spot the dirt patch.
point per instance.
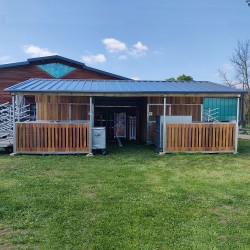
(225, 209)
(90, 194)
(6, 233)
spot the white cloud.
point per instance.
(36, 51)
(114, 45)
(136, 78)
(138, 49)
(123, 57)
(6, 59)
(92, 59)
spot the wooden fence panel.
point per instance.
(52, 138)
(214, 137)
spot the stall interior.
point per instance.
(123, 117)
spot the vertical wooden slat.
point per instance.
(35, 137)
(226, 136)
(200, 137)
(73, 137)
(214, 139)
(183, 143)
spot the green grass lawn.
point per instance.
(130, 199)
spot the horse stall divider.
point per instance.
(200, 137)
(52, 138)
(176, 109)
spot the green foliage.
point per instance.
(171, 79)
(184, 78)
(130, 199)
(181, 78)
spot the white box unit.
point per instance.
(99, 138)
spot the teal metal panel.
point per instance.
(226, 108)
(57, 70)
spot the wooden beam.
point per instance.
(125, 94)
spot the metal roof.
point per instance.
(43, 60)
(121, 87)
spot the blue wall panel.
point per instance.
(57, 70)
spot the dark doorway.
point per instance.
(107, 107)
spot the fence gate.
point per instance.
(132, 128)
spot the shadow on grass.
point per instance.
(130, 148)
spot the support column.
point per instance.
(164, 126)
(37, 111)
(147, 139)
(201, 106)
(237, 125)
(90, 123)
(14, 123)
(70, 112)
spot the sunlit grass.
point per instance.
(130, 199)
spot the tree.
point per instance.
(184, 78)
(241, 63)
(171, 79)
(181, 78)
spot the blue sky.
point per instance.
(144, 39)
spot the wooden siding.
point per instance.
(198, 137)
(51, 138)
(87, 74)
(62, 107)
(179, 109)
(13, 75)
(152, 132)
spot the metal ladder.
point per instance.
(22, 114)
(6, 122)
(210, 115)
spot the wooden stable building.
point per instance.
(68, 110)
(50, 67)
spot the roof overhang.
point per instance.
(83, 87)
(28, 93)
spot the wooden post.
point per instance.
(14, 124)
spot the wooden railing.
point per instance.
(52, 138)
(214, 137)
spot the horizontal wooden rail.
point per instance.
(214, 137)
(52, 138)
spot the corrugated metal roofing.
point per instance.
(122, 87)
